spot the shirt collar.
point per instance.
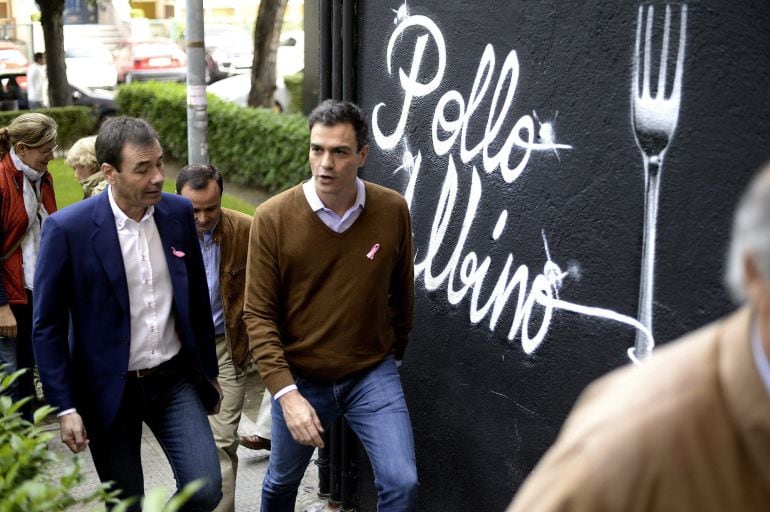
(316, 204)
(120, 217)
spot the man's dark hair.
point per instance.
(198, 177)
(39, 56)
(116, 132)
(333, 112)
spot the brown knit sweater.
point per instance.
(315, 305)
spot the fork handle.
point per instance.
(652, 167)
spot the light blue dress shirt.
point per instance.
(211, 258)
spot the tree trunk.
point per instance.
(267, 33)
(51, 12)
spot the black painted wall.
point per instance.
(486, 404)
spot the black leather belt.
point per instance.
(163, 367)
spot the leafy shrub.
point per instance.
(73, 122)
(26, 484)
(250, 146)
(27, 479)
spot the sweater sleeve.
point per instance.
(261, 306)
(401, 296)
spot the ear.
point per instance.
(753, 281)
(363, 154)
(109, 172)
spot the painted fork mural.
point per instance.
(465, 274)
(654, 120)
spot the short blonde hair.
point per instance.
(32, 129)
(83, 153)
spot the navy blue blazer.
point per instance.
(81, 322)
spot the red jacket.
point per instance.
(13, 225)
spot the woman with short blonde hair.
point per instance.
(82, 158)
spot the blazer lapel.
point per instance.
(174, 248)
(107, 246)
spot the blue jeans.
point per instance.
(169, 404)
(373, 404)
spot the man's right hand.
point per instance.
(7, 322)
(73, 432)
(301, 419)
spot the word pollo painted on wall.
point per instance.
(465, 272)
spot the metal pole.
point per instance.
(348, 51)
(335, 470)
(325, 52)
(324, 473)
(197, 117)
(336, 50)
(349, 469)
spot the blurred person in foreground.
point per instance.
(122, 323)
(329, 300)
(689, 429)
(223, 235)
(26, 200)
(82, 158)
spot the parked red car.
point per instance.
(12, 57)
(158, 59)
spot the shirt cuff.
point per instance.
(66, 412)
(284, 390)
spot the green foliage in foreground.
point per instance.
(29, 481)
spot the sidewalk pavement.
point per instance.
(157, 473)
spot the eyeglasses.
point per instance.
(47, 151)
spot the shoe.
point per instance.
(255, 442)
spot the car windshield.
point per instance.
(86, 52)
(13, 56)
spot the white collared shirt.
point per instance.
(329, 217)
(150, 291)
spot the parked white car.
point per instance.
(235, 89)
(91, 64)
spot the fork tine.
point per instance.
(639, 18)
(664, 56)
(676, 91)
(647, 44)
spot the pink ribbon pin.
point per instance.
(178, 254)
(373, 251)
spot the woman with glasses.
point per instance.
(26, 199)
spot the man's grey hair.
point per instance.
(750, 236)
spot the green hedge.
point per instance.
(73, 122)
(250, 146)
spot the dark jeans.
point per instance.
(17, 353)
(168, 402)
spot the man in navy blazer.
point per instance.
(122, 327)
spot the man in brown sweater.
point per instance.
(329, 300)
(690, 428)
